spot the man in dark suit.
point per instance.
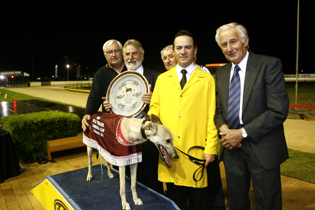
(252, 104)
(133, 53)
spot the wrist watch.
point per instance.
(244, 133)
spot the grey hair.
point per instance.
(110, 42)
(135, 43)
(166, 48)
(241, 30)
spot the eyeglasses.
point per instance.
(112, 51)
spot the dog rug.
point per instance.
(102, 192)
(104, 134)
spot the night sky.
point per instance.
(48, 31)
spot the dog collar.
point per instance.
(142, 129)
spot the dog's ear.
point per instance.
(155, 119)
(152, 127)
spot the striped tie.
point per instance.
(234, 101)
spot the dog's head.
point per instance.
(162, 137)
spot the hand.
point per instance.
(84, 121)
(209, 158)
(231, 138)
(106, 104)
(223, 130)
(146, 97)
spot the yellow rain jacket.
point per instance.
(189, 114)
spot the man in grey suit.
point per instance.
(252, 104)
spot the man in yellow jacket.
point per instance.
(184, 100)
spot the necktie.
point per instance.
(234, 101)
(184, 80)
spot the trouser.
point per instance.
(188, 197)
(216, 199)
(242, 166)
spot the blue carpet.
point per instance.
(104, 194)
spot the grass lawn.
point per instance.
(300, 165)
(6, 95)
(306, 92)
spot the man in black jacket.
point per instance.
(115, 65)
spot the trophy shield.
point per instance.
(125, 91)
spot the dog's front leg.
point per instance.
(122, 181)
(89, 153)
(133, 175)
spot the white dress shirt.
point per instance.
(190, 69)
(139, 70)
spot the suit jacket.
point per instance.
(151, 75)
(265, 107)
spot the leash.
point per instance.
(196, 161)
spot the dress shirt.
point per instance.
(190, 69)
(241, 73)
(205, 69)
(139, 70)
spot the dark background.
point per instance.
(37, 36)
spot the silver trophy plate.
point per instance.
(125, 91)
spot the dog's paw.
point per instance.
(126, 206)
(89, 177)
(110, 175)
(138, 202)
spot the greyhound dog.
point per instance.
(135, 131)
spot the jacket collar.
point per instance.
(195, 77)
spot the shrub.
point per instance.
(30, 132)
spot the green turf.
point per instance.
(300, 165)
(7, 95)
(306, 91)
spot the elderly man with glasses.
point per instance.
(115, 65)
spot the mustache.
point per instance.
(132, 60)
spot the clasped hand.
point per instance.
(231, 138)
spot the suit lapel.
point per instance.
(146, 74)
(225, 88)
(250, 77)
